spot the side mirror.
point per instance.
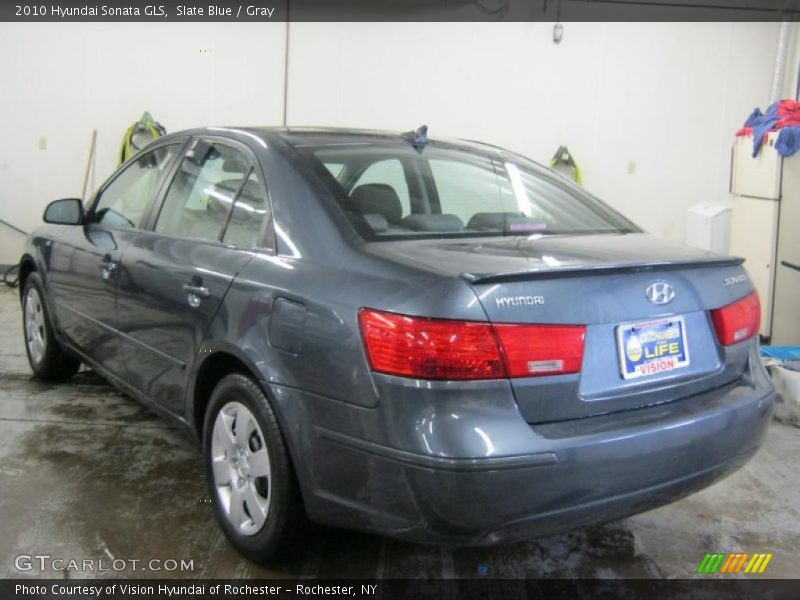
(64, 212)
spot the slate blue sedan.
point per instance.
(440, 341)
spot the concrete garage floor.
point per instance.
(85, 472)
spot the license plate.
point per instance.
(652, 347)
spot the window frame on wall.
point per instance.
(155, 192)
(266, 239)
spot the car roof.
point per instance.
(299, 137)
(322, 136)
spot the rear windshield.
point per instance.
(395, 191)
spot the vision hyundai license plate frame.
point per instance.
(653, 347)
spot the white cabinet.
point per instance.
(765, 231)
(786, 296)
(754, 228)
(758, 177)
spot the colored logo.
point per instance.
(633, 349)
(660, 292)
(652, 347)
(734, 562)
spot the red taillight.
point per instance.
(738, 321)
(532, 350)
(430, 348)
(444, 349)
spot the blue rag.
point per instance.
(753, 116)
(762, 124)
(788, 141)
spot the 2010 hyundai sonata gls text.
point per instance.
(438, 341)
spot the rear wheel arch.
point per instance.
(236, 479)
(26, 266)
(209, 373)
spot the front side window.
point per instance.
(124, 201)
(456, 192)
(215, 190)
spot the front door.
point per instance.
(85, 259)
(209, 226)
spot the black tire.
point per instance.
(53, 362)
(285, 516)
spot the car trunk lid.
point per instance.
(600, 281)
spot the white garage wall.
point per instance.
(665, 96)
(792, 73)
(60, 81)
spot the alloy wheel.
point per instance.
(241, 468)
(35, 334)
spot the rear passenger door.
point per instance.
(207, 225)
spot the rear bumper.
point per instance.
(578, 473)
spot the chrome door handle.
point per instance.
(196, 293)
(197, 290)
(107, 269)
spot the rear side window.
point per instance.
(250, 211)
(123, 202)
(215, 195)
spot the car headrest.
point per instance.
(503, 221)
(252, 193)
(251, 197)
(433, 223)
(250, 204)
(235, 165)
(377, 222)
(378, 199)
(220, 197)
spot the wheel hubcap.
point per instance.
(35, 336)
(240, 468)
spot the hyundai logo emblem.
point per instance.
(660, 292)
